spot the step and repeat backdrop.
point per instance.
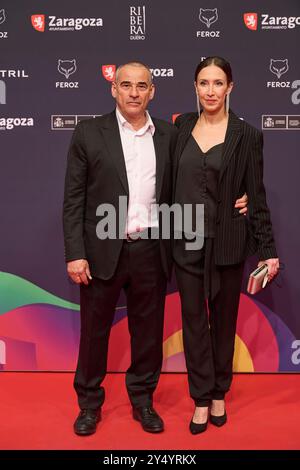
(57, 62)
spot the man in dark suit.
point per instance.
(122, 154)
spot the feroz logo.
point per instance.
(279, 67)
(66, 67)
(250, 20)
(208, 16)
(3, 34)
(137, 23)
(2, 92)
(2, 16)
(38, 22)
(109, 72)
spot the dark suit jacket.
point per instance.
(241, 171)
(96, 174)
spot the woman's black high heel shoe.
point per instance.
(196, 428)
(218, 420)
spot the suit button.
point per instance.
(218, 221)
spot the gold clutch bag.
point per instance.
(258, 279)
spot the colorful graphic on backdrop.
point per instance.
(39, 331)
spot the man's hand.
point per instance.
(242, 204)
(273, 267)
(79, 271)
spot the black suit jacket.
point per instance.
(96, 174)
(241, 171)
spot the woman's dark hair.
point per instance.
(219, 62)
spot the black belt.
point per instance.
(145, 234)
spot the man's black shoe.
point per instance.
(149, 419)
(86, 422)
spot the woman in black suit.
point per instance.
(218, 158)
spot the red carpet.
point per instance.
(38, 409)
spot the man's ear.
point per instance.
(114, 89)
(152, 92)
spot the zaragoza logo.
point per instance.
(109, 72)
(38, 22)
(250, 20)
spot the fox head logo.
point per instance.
(208, 16)
(2, 16)
(109, 72)
(279, 67)
(66, 67)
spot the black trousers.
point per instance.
(140, 274)
(209, 339)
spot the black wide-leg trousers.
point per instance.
(140, 274)
(209, 339)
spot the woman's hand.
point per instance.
(273, 267)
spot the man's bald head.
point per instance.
(134, 64)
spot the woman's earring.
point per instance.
(198, 104)
(227, 103)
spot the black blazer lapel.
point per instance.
(232, 137)
(112, 138)
(185, 130)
